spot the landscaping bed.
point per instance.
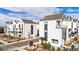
(1, 43)
(10, 39)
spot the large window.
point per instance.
(55, 41)
(20, 26)
(45, 31)
(20, 32)
(31, 29)
(45, 36)
(64, 34)
(45, 26)
(58, 24)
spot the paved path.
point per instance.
(18, 44)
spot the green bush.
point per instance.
(65, 49)
(49, 46)
(52, 48)
(58, 49)
(45, 45)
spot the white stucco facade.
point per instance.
(27, 30)
(53, 33)
(20, 28)
(56, 36)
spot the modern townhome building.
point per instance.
(57, 28)
(22, 28)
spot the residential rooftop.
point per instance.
(53, 17)
(28, 21)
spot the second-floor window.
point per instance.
(31, 29)
(57, 24)
(45, 26)
(20, 26)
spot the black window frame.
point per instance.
(45, 36)
(55, 41)
(32, 29)
(58, 24)
(45, 26)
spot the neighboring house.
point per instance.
(57, 28)
(22, 28)
(30, 28)
(9, 30)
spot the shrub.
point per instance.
(52, 48)
(65, 49)
(45, 45)
(58, 49)
(49, 46)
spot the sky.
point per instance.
(35, 13)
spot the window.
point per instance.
(70, 30)
(72, 25)
(45, 27)
(31, 29)
(58, 24)
(19, 26)
(12, 32)
(22, 28)
(64, 34)
(70, 35)
(75, 28)
(45, 36)
(38, 32)
(20, 32)
(55, 41)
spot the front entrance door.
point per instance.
(31, 43)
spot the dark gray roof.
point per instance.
(53, 17)
(28, 21)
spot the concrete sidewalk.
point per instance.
(18, 44)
